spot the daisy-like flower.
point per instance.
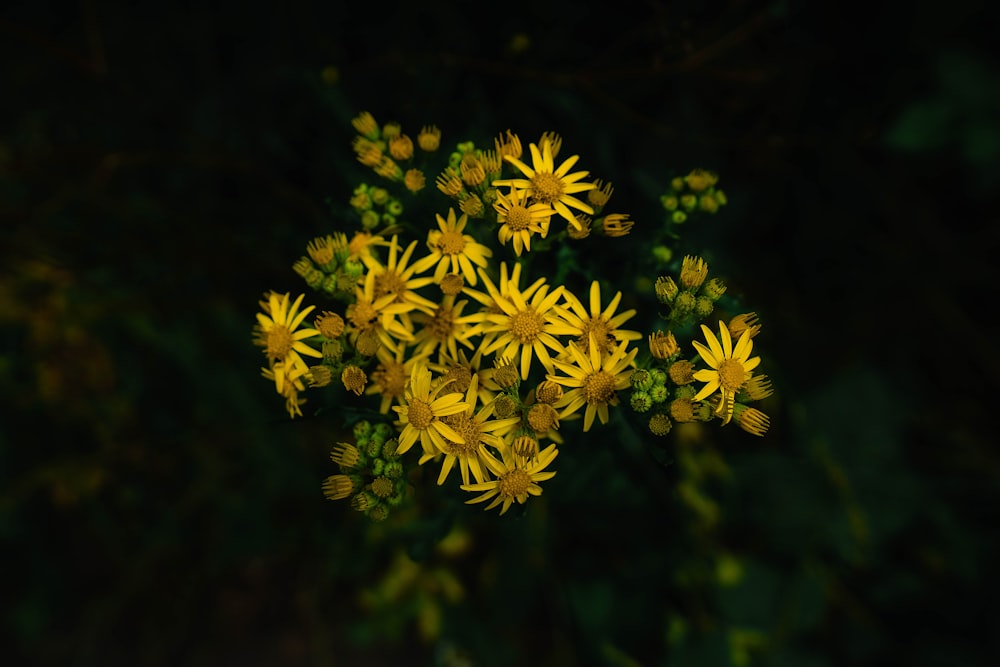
(277, 331)
(517, 478)
(452, 251)
(443, 330)
(420, 415)
(594, 380)
(549, 185)
(395, 278)
(291, 386)
(730, 367)
(519, 220)
(461, 369)
(602, 324)
(390, 376)
(527, 324)
(374, 315)
(477, 431)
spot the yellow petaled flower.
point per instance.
(420, 415)
(472, 205)
(516, 478)
(519, 220)
(547, 184)
(373, 315)
(753, 421)
(321, 249)
(509, 145)
(600, 195)
(461, 369)
(414, 180)
(292, 383)
(758, 387)
(594, 380)
(694, 270)
(354, 379)
(401, 147)
(526, 324)
(449, 182)
(366, 125)
(602, 324)
(663, 345)
(616, 225)
(362, 245)
(329, 324)
(488, 304)
(277, 331)
(429, 138)
(444, 329)
(472, 171)
(396, 279)
(730, 367)
(477, 431)
(369, 154)
(452, 250)
(742, 322)
(390, 376)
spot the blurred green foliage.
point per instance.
(160, 168)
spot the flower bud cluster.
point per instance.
(372, 474)
(693, 193)
(692, 296)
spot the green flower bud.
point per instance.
(641, 401)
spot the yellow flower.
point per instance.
(291, 386)
(372, 315)
(452, 250)
(526, 324)
(477, 431)
(730, 367)
(390, 376)
(488, 304)
(429, 138)
(602, 324)
(277, 331)
(517, 478)
(420, 415)
(396, 279)
(444, 329)
(594, 379)
(519, 220)
(550, 185)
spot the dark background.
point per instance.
(161, 167)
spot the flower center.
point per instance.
(459, 379)
(514, 483)
(518, 218)
(602, 334)
(390, 282)
(525, 325)
(451, 242)
(420, 415)
(599, 387)
(547, 187)
(279, 342)
(468, 428)
(442, 325)
(731, 374)
(392, 379)
(362, 315)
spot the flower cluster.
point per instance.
(430, 315)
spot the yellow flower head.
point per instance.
(516, 478)
(420, 415)
(277, 331)
(429, 138)
(594, 380)
(452, 250)
(526, 324)
(730, 367)
(477, 431)
(519, 220)
(547, 184)
(602, 324)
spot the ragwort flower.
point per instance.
(594, 380)
(517, 478)
(452, 251)
(277, 331)
(421, 414)
(547, 184)
(730, 367)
